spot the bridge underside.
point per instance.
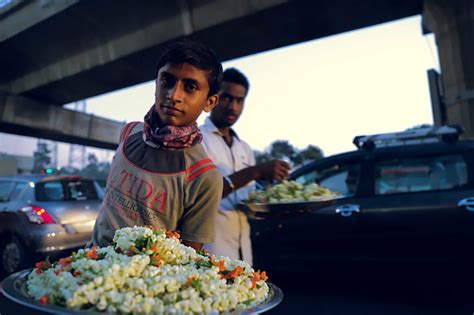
(26, 117)
(53, 54)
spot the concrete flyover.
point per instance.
(56, 52)
(25, 116)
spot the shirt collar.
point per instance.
(209, 126)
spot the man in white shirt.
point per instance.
(236, 162)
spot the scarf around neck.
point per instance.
(169, 137)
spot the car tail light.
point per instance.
(37, 215)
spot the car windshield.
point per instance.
(66, 190)
(343, 178)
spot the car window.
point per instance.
(77, 189)
(401, 175)
(342, 178)
(82, 190)
(50, 191)
(19, 188)
(6, 190)
(307, 178)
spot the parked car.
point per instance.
(43, 215)
(404, 197)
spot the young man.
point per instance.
(161, 176)
(236, 162)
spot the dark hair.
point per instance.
(235, 76)
(197, 55)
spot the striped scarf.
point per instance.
(169, 137)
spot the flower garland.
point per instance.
(147, 271)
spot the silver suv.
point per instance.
(43, 216)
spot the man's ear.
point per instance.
(211, 103)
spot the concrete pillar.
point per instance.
(452, 22)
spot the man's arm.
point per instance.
(201, 205)
(271, 170)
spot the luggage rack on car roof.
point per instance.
(410, 136)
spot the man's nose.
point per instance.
(176, 93)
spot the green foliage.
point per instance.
(311, 153)
(261, 157)
(283, 150)
(95, 169)
(42, 157)
(196, 284)
(203, 263)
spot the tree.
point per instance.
(281, 149)
(261, 157)
(41, 157)
(95, 169)
(311, 153)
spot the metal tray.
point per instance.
(14, 288)
(268, 209)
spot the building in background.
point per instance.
(15, 164)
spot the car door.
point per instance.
(302, 238)
(421, 209)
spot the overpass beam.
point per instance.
(24, 116)
(453, 25)
(31, 13)
(107, 48)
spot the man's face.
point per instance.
(182, 94)
(230, 105)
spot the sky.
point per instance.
(321, 92)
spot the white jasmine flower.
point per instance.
(146, 272)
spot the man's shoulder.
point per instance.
(198, 161)
(212, 142)
(208, 132)
(211, 139)
(129, 129)
(203, 171)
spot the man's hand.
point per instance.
(273, 170)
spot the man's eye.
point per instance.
(226, 98)
(191, 87)
(163, 82)
(166, 82)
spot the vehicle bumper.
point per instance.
(53, 239)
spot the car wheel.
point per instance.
(14, 257)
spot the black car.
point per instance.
(44, 215)
(404, 197)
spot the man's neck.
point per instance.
(226, 134)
